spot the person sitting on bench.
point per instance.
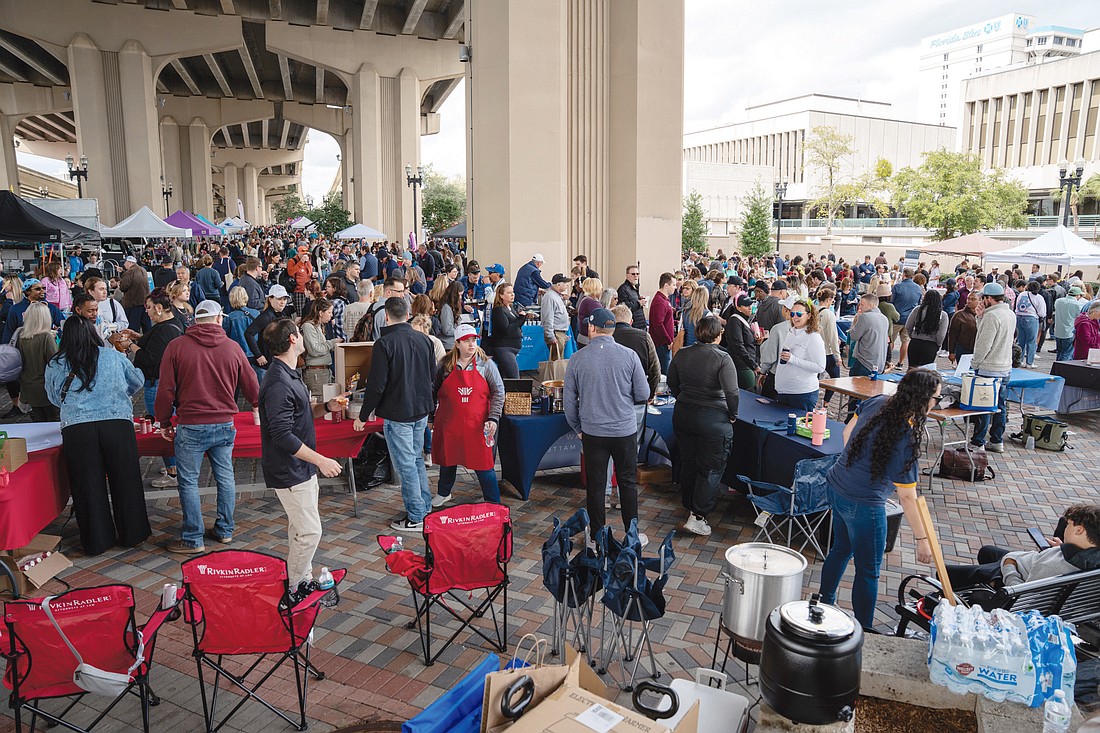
(1078, 549)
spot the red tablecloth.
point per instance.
(334, 440)
(33, 498)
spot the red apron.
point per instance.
(458, 438)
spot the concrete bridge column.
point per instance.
(365, 134)
(200, 185)
(170, 145)
(232, 192)
(261, 205)
(9, 169)
(249, 190)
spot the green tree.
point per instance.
(756, 223)
(290, 207)
(331, 216)
(693, 231)
(443, 200)
(950, 194)
(1087, 191)
(827, 151)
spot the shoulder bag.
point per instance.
(93, 679)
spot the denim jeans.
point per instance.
(859, 532)
(150, 395)
(490, 489)
(406, 444)
(1065, 349)
(1027, 333)
(215, 441)
(805, 402)
(994, 422)
(664, 356)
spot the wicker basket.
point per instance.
(517, 403)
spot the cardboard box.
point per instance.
(37, 576)
(580, 705)
(13, 452)
(351, 358)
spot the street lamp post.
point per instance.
(414, 182)
(78, 172)
(166, 192)
(780, 192)
(1067, 179)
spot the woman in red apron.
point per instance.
(470, 396)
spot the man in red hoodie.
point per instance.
(199, 377)
(661, 320)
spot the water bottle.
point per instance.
(324, 580)
(1056, 714)
(398, 544)
(490, 439)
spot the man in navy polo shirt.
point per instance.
(290, 460)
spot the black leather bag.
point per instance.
(372, 465)
(957, 464)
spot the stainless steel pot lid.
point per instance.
(817, 620)
(761, 558)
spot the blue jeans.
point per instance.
(215, 441)
(1027, 333)
(805, 402)
(1065, 349)
(994, 422)
(490, 490)
(664, 356)
(406, 444)
(150, 395)
(859, 531)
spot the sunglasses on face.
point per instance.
(798, 314)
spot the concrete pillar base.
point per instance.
(772, 722)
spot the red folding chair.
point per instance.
(237, 604)
(99, 623)
(468, 549)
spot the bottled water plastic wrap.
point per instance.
(1001, 655)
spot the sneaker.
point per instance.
(697, 525)
(405, 525)
(223, 540)
(181, 547)
(643, 539)
(25, 408)
(995, 447)
(164, 481)
(14, 412)
(440, 500)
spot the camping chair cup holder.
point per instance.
(95, 625)
(238, 603)
(467, 549)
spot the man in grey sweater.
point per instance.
(993, 358)
(1078, 549)
(869, 338)
(555, 316)
(603, 383)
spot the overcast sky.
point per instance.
(739, 53)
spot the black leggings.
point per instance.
(505, 357)
(922, 351)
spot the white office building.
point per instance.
(949, 59)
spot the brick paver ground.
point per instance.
(373, 664)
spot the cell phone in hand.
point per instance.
(1038, 538)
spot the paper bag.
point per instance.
(13, 452)
(544, 679)
(553, 369)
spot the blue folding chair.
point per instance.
(572, 582)
(802, 508)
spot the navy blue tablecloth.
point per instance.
(758, 452)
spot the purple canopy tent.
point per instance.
(187, 220)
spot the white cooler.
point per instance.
(720, 711)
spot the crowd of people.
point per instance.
(253, 323)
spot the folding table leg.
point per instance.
(351, 485)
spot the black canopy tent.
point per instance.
(21, 221)
(458, 231)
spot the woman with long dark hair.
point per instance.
(927, 327)
(449, 309)
(318, 357)
(882, 446)
(93, 384)
(336, 292)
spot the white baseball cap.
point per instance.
(789, 302)
(277, 291)
(538, 258)
(465, 331)
(208, 309)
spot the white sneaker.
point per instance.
(406, 525)
(165, 481)
(643, 539)
(995, 447)
(440, 500)
(697, 525)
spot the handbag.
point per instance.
(554, 367)
(678, 341)
(979, 393)
(521, 686)
(93, 679)
(959, 464)
(1049, 432)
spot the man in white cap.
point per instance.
(134, 285)
(993, 358)
(200, 374)
(529, 281)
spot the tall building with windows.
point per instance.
(1030, 118)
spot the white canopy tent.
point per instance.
(234, 224)
(360, 231)
(1059, 246)
(144, 223)
(301, 222)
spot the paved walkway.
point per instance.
(374, 671)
